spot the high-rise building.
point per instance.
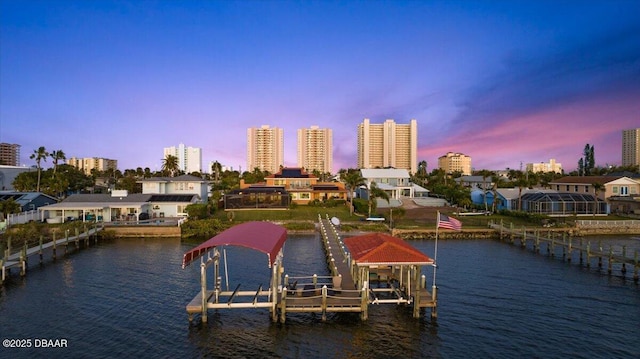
(388, 145)
(631, 147)
(189, 158)
(455, 162)
(315, 149)
(265, 148)
(90, 163)
(551, 166)
(9, 154)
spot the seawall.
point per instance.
(144, 231)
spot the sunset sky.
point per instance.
(505, 82)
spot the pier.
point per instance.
(19, 259)
(356, 281)
(536, 239)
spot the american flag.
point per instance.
(445, 221)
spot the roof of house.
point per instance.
(291, 172)
(384, 173)
(24, 198)
(381, 248)
(474, 179)
(265, 237)
(182, 178)
(99, 200)
(584, 180)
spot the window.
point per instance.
(624, 190)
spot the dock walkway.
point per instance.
(568, 245)
(20, 258)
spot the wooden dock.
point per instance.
(338, 292)
(537, 238)
(20, 258)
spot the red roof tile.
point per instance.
(383, 248)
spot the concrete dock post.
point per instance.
(23, 260)
(434, 298)
(600, 252)
(66, 242)
(203, 284)
(635, 267)
(54, 245)
(40, 251)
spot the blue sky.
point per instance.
(505, 82)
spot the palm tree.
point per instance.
(352, 179)
(39, 155)
(170, 165)
(497, 181)
(521, 183)
(376, 192)
(9, 206)
(57, 157)
(216, 169)
(485, 174)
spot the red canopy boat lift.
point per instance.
(374, 268)
(266, 237)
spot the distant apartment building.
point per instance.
(189, 158)
(631, 147)
(551, 166)
(265, 148)
(388, 145)
(9, 154)
(455, 162)
(315, 149)
(88, 164)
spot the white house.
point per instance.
(396, 182)
(185, 184)
(161, 197)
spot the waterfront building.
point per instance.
(551, 166)
(395, 181)
(279, 190)
(631, 147)
(189, 158)
(265, 148)
(88, 164)
(181, 185)
(455, 162)
(9, 154)
(388, 145)
(315, 149)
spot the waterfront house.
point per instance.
(623, 195)
(396, 182)
(181, 185)
(475, 182)
(118, 206)
(582, 184)
(289, 185)
(28, 201)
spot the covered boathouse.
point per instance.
(374, 268)
(392, 270)
(265, 237)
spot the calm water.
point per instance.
(127, 298)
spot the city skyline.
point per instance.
(506, 83)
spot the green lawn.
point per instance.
(300, 213)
